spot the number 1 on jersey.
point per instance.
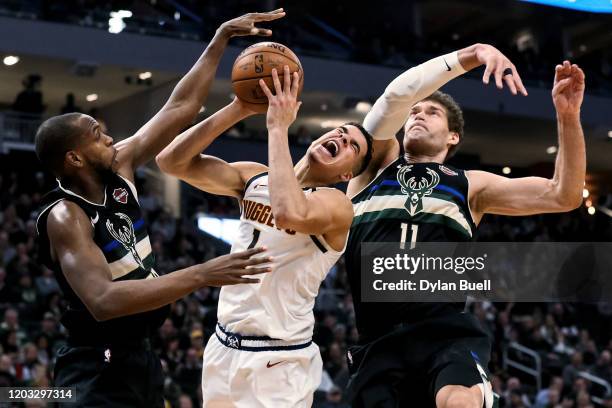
(414, 228)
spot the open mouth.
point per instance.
(332, 147)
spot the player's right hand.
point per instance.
(232, 269)
(283, 105)
(245, 25)
(497, 64)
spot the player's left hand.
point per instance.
(502, 69)
(283, 106)
(245, 25)
(568, 88)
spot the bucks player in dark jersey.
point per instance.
(94, 237)
(433, 354)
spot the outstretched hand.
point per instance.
(283, 105)
(245, 25)
(502, 69)
(568, 88)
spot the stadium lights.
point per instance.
(116, 23)
(177, 16)
(591, 210)
(506, 170)
(145, 75)
(91, 97)
(10, 60)
(332, 123)
(585, 193)
(610, 134)
(551, 149)
(363, 107)
(588, 203)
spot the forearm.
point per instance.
(286, 195)
(570, 164)
(392, 109)
(188, 145)
(193, 88)
(129, 297)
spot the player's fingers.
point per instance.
(270, 15)
(509, 80)
(487, 73)
(244, 280)
(276, 81)
(561, 85)
(286, 79)
(256, 271)
(295, 84)
(257, 261)
(265, 89)
(579, 74)
(519, 83)
(253, 251)
(499, 69)
(263, 32)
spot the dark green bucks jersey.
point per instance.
(120, 231)
(406, 202)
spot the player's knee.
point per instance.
(461, 399)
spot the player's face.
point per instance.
(426, 131)
(337, 155)
(96, 149)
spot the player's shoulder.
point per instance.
(66, 217)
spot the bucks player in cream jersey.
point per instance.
(434, 354)
(262, 354)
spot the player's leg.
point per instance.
(216, 374)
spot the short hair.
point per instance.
(454, 116)
(369, 142)
(54, 137)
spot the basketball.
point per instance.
(256, 62)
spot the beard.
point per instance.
(105, 172)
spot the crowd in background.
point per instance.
(570, 338)
(531, 39)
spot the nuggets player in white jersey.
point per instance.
(262, 354)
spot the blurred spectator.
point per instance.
(70, 105)
(30, 99)
(571, 371)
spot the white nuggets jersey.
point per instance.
(280, 305)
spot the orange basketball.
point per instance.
(256, 62)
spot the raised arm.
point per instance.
(391, 110)
(319, 213)
(188, 96)
(88, 274)
(490, 193)
(183, 159)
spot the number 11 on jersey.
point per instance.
(413, 236)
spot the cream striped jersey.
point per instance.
(120, 231)
(281, 305)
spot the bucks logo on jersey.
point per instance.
(416, 189)
(124, 233)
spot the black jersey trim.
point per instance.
(318, 244)
(252, 179)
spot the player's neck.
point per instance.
(425, 158)
(303, 176)
(90, 186)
